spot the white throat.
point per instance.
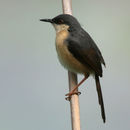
(60, 27)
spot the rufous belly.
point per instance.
(65, 57)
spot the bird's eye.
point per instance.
(60, 21)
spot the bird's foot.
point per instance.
(70, 94)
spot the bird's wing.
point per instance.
(87, 53)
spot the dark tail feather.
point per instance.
(100, 97)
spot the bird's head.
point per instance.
(63, 21)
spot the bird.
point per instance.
(78, 52)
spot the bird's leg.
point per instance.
(75, 88)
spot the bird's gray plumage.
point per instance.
(83, 48)
(80, 44)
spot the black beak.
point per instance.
(46, 20)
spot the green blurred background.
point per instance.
(32, 81)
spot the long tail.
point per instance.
(100, 97)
